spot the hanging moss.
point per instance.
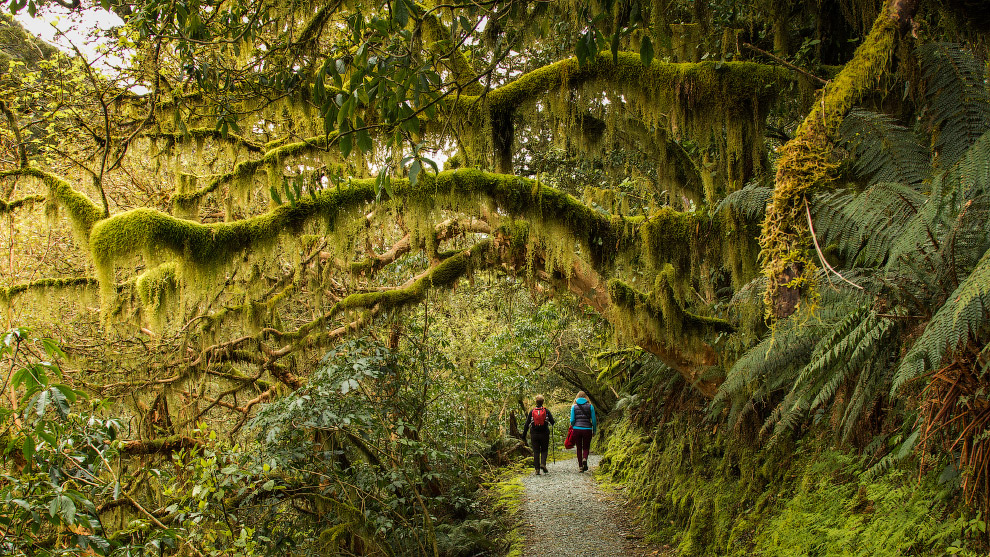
(444, 275)
(158, 289)
(199, 134)
(660, 312)
(83, 213)
(26, 201)
(8, 294)
(209, 248)
(683, 239)
(275, 154)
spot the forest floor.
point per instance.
(566, 513)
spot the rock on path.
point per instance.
(566, 514)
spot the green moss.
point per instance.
(275, 154)
(659, 312)
(83, 213)
(211, 247)
(158, 290)
(8, 294)
(26, 201)
(807, 163)
(199, 134)
(443, 275)
(709, 495)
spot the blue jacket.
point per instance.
(582, 419)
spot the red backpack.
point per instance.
(539, 415)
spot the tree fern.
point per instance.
(956, 97)
(882, 150)
(965, 315)
(750, 202)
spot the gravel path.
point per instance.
(566, 514)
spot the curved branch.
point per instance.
(245, 169)
(82, 211)
(208, 133)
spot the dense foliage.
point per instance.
(312, 259)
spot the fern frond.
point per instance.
(965, 315)
(882, 150)
(956, 96)
(749, 202)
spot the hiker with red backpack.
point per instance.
(540, 419)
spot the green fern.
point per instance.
(750, 202)
(956, 97)
(882, 150)
(962, 318)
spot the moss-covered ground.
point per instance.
(706, 494)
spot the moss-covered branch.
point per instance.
(443, 275)
(212, 246)
(273, 158)
(722, 84)
(807, 163)
(7, 294)
(28, 200)
(16, 130)
(208, 133)
(661, 307)
(459, 66)
(164, 445)
(83, 213)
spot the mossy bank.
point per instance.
(706, 495)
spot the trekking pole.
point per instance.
(553, 441)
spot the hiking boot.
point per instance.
(545, 471)
(537, 472)
(585, 467)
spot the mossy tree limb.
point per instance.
(807, 163)
(208, 133)
(8, 294)
(443, 275)
(16, 130)
(710, 83)
(27, 201)
(273, 157)
(211, 246)
(83, 213)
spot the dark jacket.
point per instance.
(583, 415)
(541, 429)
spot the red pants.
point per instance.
(582, 441)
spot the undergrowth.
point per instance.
(709, 496)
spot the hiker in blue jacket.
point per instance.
(540, 419)
(585, 425)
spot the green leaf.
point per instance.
(52, 348)
(28, 447)
(61, 402)
(646, 51)
(42, 403)
(414, 169)
(346, 144)
(275, 196)
(400, 14)
(68, 509)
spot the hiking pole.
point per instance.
(553, 442)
